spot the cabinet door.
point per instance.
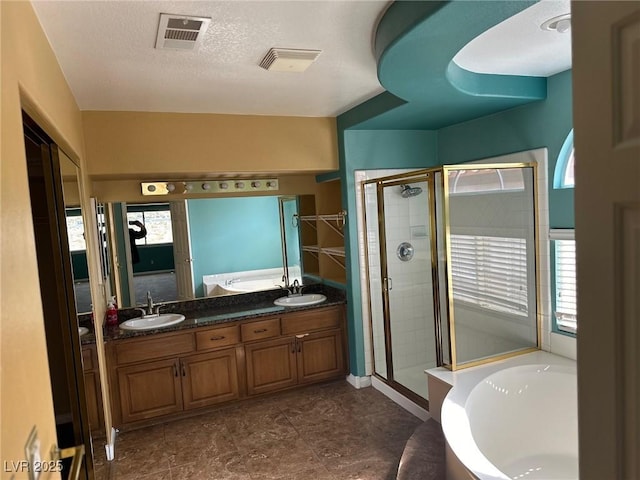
(271, 365)
(149, 390)
(209, 378)
(94, 400)
(320, 356)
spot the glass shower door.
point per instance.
(407, 282)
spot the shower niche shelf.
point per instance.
(322, 223)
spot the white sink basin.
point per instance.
(300, 300)
(150, 322)
(83, 330)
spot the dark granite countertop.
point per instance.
(214, 311)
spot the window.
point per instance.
(565, 280)
(485, 180)
(564, 176)
(75, 230)
(157, 220)
(490, 272)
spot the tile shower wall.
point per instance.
(413, 337)
(411, 295)
(371, 287)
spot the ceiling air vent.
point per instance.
(181, 32)
(288, 60)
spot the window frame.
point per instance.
(143, 209)
(566, 159)
(560, 234)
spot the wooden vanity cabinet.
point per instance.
(93, 392)
(169, 373)
(320, 356)
(271, 365)
(312, 349)
(209, 378)
(181, 382)
(149, 389)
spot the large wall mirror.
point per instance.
(76, 235)
(202, 247)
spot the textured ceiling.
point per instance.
(106, 51)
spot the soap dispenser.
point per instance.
(112, 312)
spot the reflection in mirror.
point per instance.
(290, 239)
(201, 247)
(75, 232)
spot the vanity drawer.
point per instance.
(312, 320)
(157, 347)
(259, 330)
(218, 337)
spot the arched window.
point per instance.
(563, 176)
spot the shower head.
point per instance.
(409, 191)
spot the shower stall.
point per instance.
(451, 269)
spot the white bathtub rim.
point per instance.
(455, 423)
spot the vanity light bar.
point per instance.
(210, 186)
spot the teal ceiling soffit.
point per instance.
(415, 44)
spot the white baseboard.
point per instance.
(359, 382)
(401, 400)
(110, 447)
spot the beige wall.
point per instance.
(138, 145)
(29, 71)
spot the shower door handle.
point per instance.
(387, 284)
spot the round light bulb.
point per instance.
(239, 184)
(223, 185)
(151, 188)
(188, 187)
(170, 187)
(206, 186)
(255, 184)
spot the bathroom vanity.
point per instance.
(214, 358)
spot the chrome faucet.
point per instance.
(149, 304)
(296, 288)
(149, 310)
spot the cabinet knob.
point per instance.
(184, 372)
(175, 370)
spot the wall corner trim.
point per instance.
(359, 382)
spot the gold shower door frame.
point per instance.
(381, 183)
(429, 175)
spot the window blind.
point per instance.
(490, 272)
(566, 310)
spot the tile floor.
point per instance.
(321, 432)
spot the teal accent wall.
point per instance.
(542, 124)
(233, 235)
(154, 258)
(370, 150)
(79, 265)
